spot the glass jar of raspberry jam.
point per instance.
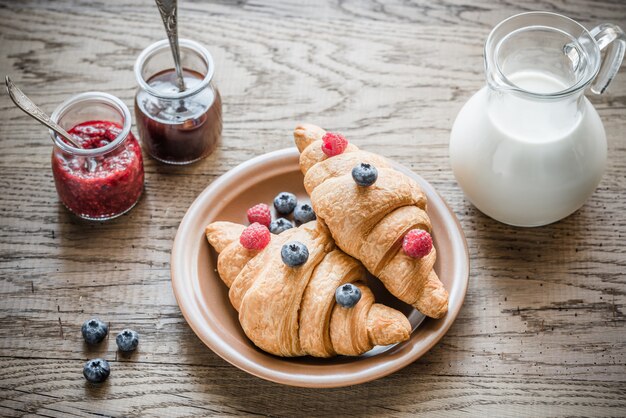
(177, 127)
(103, 179)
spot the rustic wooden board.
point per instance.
(542, 332)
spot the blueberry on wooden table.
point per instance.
(127, 340)
(94, 330)
(96, 370)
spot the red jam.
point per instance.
(103, 186)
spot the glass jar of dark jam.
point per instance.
(103, 179)
(177, 127)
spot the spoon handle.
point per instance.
(32, 110)
(168, 10)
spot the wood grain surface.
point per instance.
(542, 331)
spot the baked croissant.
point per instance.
(369, 223)
(291, 311)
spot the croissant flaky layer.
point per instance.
(369, 223)
(291, 311)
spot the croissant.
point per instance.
(369, 223)
(291, 311)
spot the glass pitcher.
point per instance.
(529, 148)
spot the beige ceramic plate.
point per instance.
(203, 299)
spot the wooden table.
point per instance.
(542, 331)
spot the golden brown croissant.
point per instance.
(369, 223)
(291, 311)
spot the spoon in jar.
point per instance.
(168, 10)
(32, 110)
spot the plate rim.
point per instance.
(223, 350)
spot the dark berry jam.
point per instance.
(179, 131)
(99, 187)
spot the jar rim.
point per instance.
(151, 50)
(92, 96)
(491, 49)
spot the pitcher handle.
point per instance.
(612, 38)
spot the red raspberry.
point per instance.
(334, 144)
(260, 213)
(255, 237)
(417, 243)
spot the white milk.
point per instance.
(528, 162)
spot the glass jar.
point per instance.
(177, 127)
(529, 148)
(105, 178)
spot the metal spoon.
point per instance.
(168, 10)
(32, 110)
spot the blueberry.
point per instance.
(96, 370)
(285, 203)
(294, 253)
(94, 330)
(304, 213)
(348, 295)
(127, 340)
(364, 174)
(279, 225)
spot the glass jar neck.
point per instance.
(541, 56)
(157, 59)
(88, 107)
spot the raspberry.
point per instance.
(417, 243)
(255, 237)
(260, 213)
(334, 144)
